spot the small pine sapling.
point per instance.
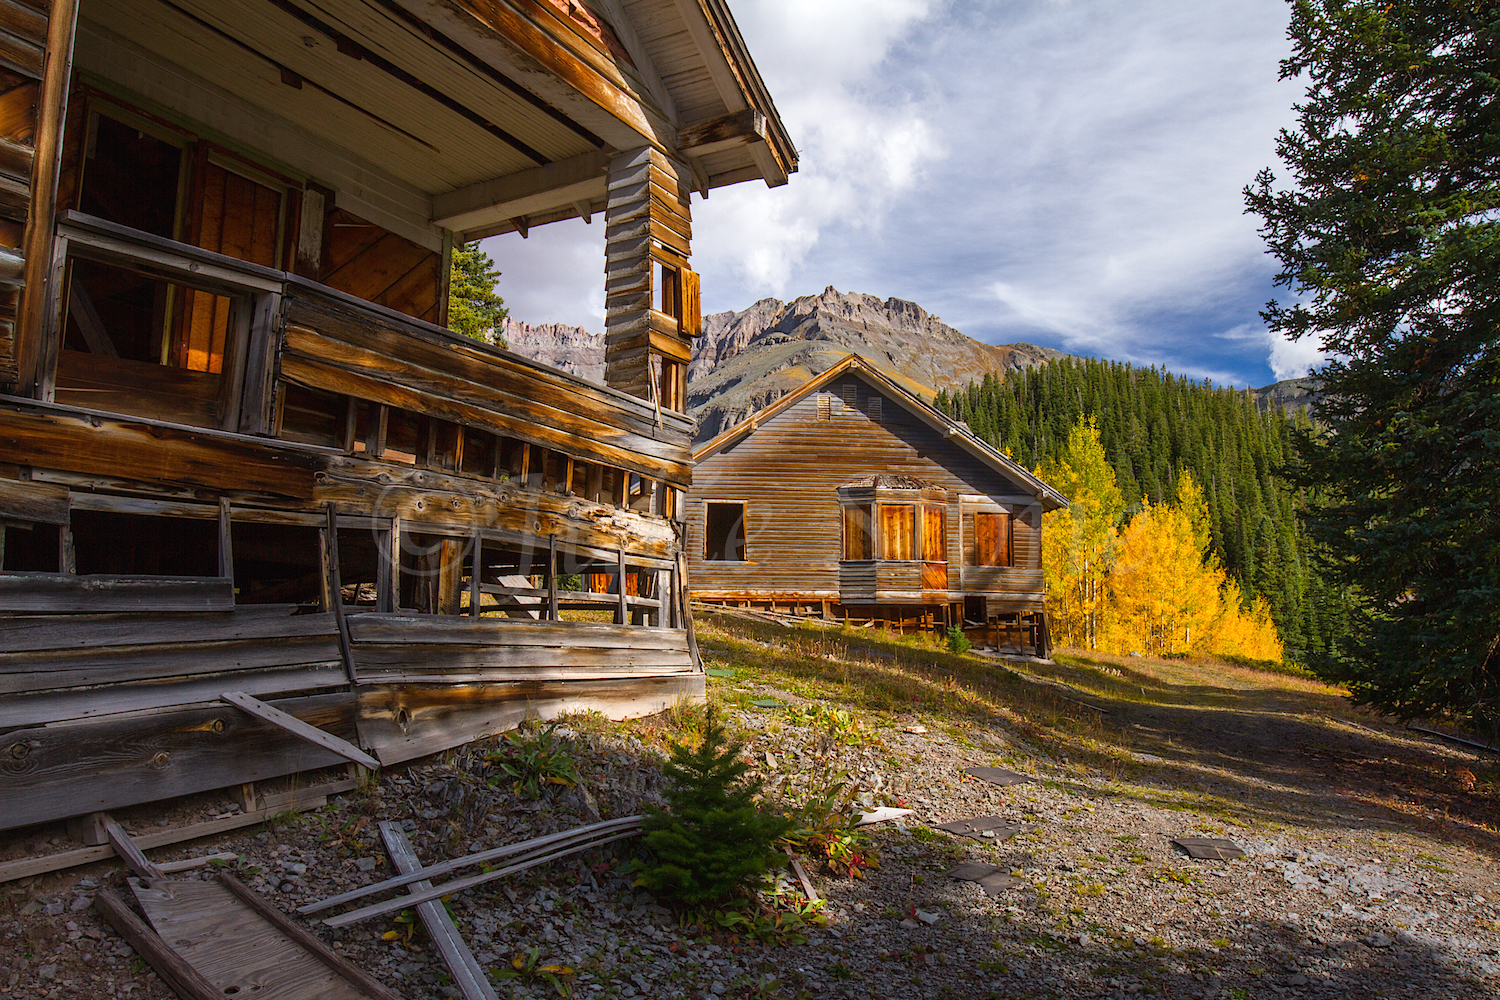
(715, 839)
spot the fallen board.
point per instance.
(468, 976)
(986, 827)
(1209, 848)
(996, 775)
(241, 951)
(991, 879)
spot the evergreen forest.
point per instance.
(1154, 426)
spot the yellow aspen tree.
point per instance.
(1163, 594)
(1078, 542)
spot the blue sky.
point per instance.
(1065, 172)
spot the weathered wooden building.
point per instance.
(240, 454)
(851, 497)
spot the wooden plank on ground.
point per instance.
(186, 981)
(467, 973)
(297, 727)
(240, 950)
(128, 852)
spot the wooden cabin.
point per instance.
(243, 465)
(854, 499)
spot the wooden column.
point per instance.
(50, 110)
(651, 304)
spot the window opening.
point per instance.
(30, 547)
(934, 533)
(359, 567)
(311, 416)
(277, 563)
(513, 455)
(404, 437)
(724, 532)
(444, 444)
(432, 573)
(478, 453)
(113, 544)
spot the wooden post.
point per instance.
(552, 578)
(333, 586)
(476, 567)
(622, 612)
(226, 542)
(35, 305)
(648, 222)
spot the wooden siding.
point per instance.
(787, 472)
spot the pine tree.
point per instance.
(1389, 237)
(715, 839)
(474, 309)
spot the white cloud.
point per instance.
(863, 143)
(556, 275)
(1293, 358)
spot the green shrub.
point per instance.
(958, 643)
(715, 840)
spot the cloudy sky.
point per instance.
(1064, 172)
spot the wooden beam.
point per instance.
(467, 973)
(28, 501)
(725, 132)
(59, 593)
(298, 728)
(90, 324)
(336, 592)
(526, 192)
(126, 850)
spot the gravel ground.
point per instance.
(1370, 865)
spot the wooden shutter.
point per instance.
(986, 539)
(934, 534)
(241, 218)
(857, 533)
(1007, 536)
(692, 304)
(898, 524)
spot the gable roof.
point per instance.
(953, 430)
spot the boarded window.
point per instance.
(858, 543)
(898, 531)
(934, 533)
(992, 540)
(724, 532)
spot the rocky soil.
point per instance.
(1370, 865)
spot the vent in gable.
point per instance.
(850, 398)
(875, 407)
(825, 405)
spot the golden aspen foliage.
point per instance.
(1163, 596)
(1154, 586)
(1078, 542)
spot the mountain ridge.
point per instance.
(747, 359)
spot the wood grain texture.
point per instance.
(27, 501)
(400, 722)
(300, 729)
(186, 981)
(126, 850)
(364, 260)
(50, 772)
(63, 592)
